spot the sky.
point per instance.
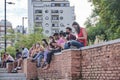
(16, 11)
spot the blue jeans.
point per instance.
(38, 57)
(73, 43)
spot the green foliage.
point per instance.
(29, 39)
(108, 25)
(11, 50)
(26, 40)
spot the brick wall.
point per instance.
(97, 62)
(30, 69)
(101, 62)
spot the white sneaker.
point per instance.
(15, 69)
(18, 68)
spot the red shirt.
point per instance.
(84, 41)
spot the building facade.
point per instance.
(51, 15)
(20, 29)
(2, 34)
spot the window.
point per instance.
(61, 11)
(38, 24)
(54, 11)
(46, 11)
(55, 25)
(55, 31)
(52, 5)
(38, 17)
(47, 31)
(38, 11)
(55, 17)
(67, 5)
(55, 5)
(62, 25)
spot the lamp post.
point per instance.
(5, 23)
(23, 22)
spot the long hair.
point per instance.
(45, 41)
(78, 27)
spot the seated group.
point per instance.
(43, 52)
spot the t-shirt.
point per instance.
(25, 52)
(60, 41)
(71, 37)
(10, 58)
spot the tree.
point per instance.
(30, 39)
(11, 50)
(108, 24)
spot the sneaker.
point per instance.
(19, 68)
(15, 69)
(44, 64)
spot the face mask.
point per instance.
(37, 45)
(50, 40)
(43, 42)
(67, 33)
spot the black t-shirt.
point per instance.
(18, 55)
(71, 37)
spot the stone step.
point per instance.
(3, 70)
(12, 75)
(12, 78)
(20, 71)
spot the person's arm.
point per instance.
(84, 34)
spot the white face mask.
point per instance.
(50, 40)
(37, 45)
(43, 42)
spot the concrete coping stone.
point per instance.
(92, 46)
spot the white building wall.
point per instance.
(46, 16)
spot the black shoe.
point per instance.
(44, 64)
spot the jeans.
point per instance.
(50, 54)
(45, 55)
(73, 43)
(38, 57)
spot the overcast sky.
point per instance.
(19, 10)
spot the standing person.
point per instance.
(81, 33)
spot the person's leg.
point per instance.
(66, 46)
(45, 56)
(76, 44)
(4, 64)
(49, 58)
(20, 62)
(38, 54)
(39, 59)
